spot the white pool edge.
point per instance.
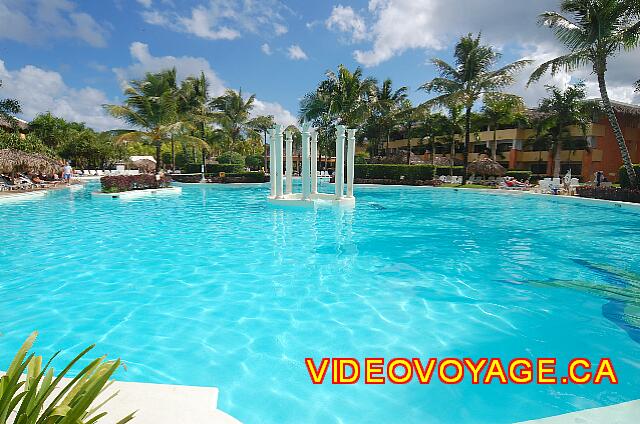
(160, 403)
(621, 413)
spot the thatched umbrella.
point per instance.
(18, 161)
(486, 167)
(445, 161)
(144, 165)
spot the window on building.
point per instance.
(481, 148)
(504, 147)
(575, 167)
(539, 168)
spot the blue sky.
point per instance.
(71, 56)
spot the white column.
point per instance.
(306, 177)
(351, 147)
(340, 162)
(279, 161)
(314, 162)
(289, 162)
(272, 158)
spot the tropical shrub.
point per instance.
(360, 159)
(624, 177)
(119, 183)
(246, 177)
(519, 175)
(407, 172)
(231, 157)
(29, 143)
(254, 162)
(31, 400)
(606, 193)
(214, 168)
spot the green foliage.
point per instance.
(254, 162)
(247, 177)
(408, 172)
(231, 157)
(29, 143)
(519, 175)
(360, 159)
(32, 401)
(214, 168)
(624, 177)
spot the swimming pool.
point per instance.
(215, 288)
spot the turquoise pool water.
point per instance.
(216, 288)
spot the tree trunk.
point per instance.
(557, 160)
(467, 139)
(494, 148)
(388, 137)
(615, 126)
(266, 161)
(158, 156)
(408, 150)
(173, 155)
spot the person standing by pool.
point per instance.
(66, 173)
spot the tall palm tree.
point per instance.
(193, 107)
(559, 111)
(232, 112)
(386, 103)
(406, 118)
(500, 109)
(471, 77)
(350, 95)
(595, 31)
(262, 124)
(151, 106)
(454, 126)
(8, 108)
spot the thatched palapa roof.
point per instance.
(17, 161)
(486, 167)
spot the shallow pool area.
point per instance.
(214, 287)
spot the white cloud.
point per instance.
(39, 90)
(266, 49)
(146, 3)
(144, 61)
(280, 114)
(345, 19)
(222, 19)
(400, 25)
(39, 21)
(295, 52)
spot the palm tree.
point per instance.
(350, 95)
(8, 108)
(263, 123)
(595, 31)
(406, 118)
(559, 111)
(151, 106)
(453, 126)
(231, 112)
(386, 103)
(469, 79)
(193, 107)
(500, 109)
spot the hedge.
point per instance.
(119, 183)
(247, 177)
(605, 193)
(624, 178)
(519, 175)
(408, 172)
(214, 168)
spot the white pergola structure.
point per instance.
(309, 195)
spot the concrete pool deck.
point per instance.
(158, 403)
(622, 413)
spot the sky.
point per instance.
(70, 57)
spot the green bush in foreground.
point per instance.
(31, 400)
(624, 177)
(405, 172)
